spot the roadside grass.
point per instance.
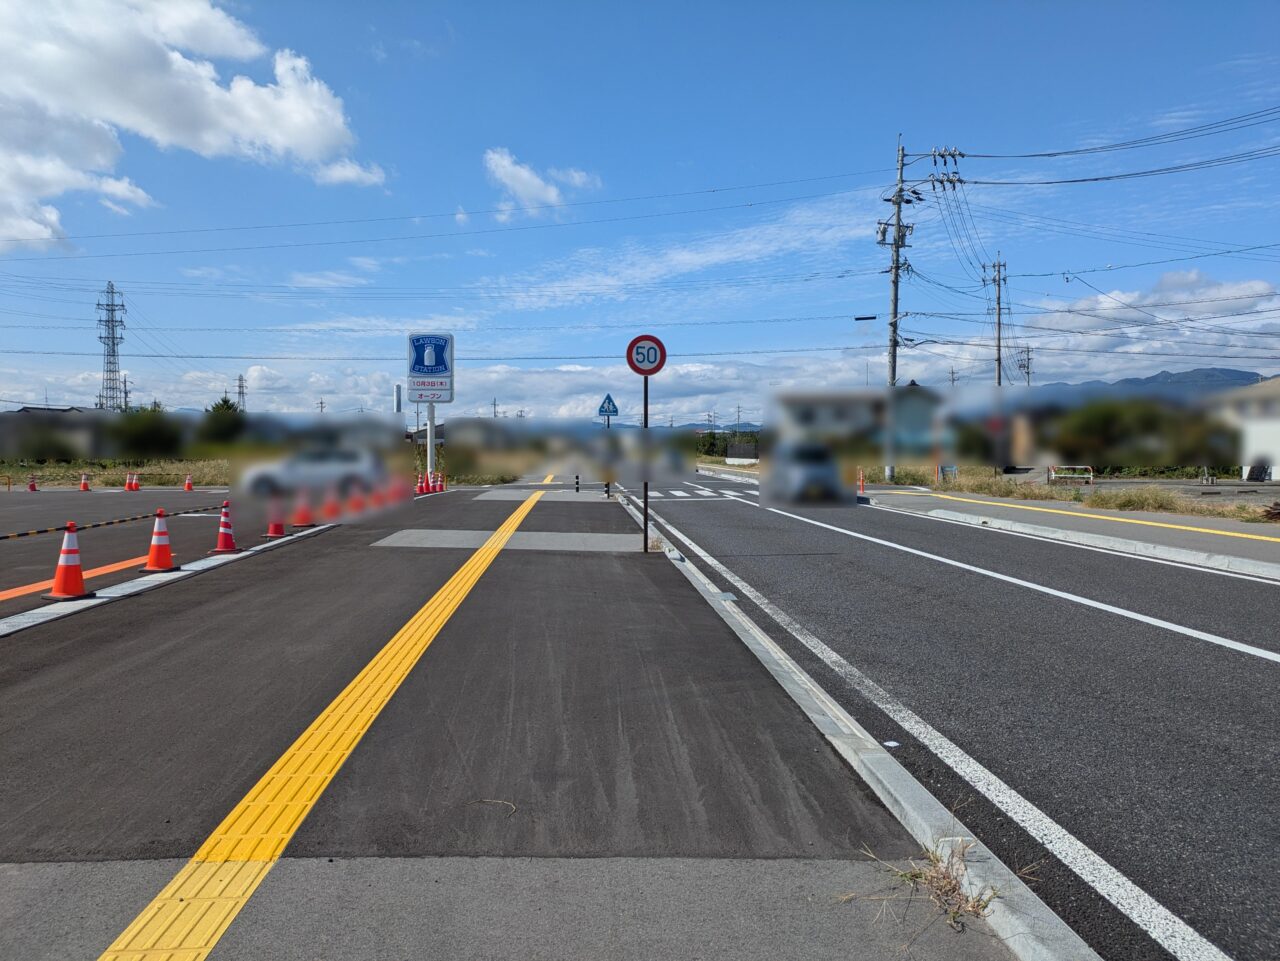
(481, 480)
(1155, 499)
(940, 875)
(111, 473)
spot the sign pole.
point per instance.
(645, 465)
(431, 437)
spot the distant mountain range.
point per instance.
(1179, 385)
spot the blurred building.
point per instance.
(1255, 412)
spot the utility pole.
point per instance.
(110, 325)
(737, 425)
(895, 245)
(240, 392)
(953, 377)
(998, 270)
(124, 386)
(1024, 362)
(495, 408)
(320, 405)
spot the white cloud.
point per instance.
(347, 171)
(579, 179)
(115, 208)
(461, 217)
(75, 73)
(367, 264)
(522, 184)
(326, 279)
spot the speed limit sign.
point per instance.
(646, 355)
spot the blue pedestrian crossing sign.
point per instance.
(607, 407)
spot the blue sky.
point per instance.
(623, 127)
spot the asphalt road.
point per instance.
(1156, 750)
(585, 761)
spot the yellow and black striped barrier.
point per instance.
(118, 520)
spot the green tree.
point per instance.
(223, 422)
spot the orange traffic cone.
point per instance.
(331, 510)
(68, 579)
(187, 485)
(421, 487)
(444, 481)
(84, 482)
(302, 516)
(275, 520)
(355, 501)
(226, 536)
(31, 484)
(159, 558)
(376, 499)
(128, 482)
(137, 482)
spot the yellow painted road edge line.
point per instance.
(1100, 517)
(185, 920)
(547, 479)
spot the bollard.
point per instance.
(576, 489)
(606, 490)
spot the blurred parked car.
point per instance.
(803, 471)
(345, 469)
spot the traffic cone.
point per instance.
(376, 499)
(444, 481)
(226, 536)
(84, 482)
(331, 510)
(186, 486)
(275, 520)
(421, 487)
(68, 579)
(159, 558)
(355, 501)
(302, 516)
(128, 482)
(31, 484)
(137, 482)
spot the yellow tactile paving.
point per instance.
(186, 919)
(1097, 517)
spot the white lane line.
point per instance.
(695, 485)
(680, 493)
(1043, 589)
(656, 494)
(707, 493)
(1171, 932)
(1198, 568)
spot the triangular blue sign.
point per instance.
(607, 407)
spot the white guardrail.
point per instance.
(1071, 474)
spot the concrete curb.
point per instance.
(1026, 925)
(140, 585)
(724, 475)
(1180, 555)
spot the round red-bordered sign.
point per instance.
(646, 355)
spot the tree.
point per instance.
(223, 422)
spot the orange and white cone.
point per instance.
(376, 499)
(160, 557)
(84, 482)
(332, 508)
(275, 520)
(68, 579)
(355, 501)
(128, 482)
(302, 516)
(137, 482)
(226, 536)
(186, 486)
(421, 487)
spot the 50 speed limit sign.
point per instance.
(646, 355)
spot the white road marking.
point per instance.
(1084, 547)
(1171, 932)
(705, 493)
(656, 494)
(680, 493)
(1043, 589)
(695, 485)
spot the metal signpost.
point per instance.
(607, 409)
(646, 355)
(431, 380)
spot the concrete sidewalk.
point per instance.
(586, 763)
(1212, 542)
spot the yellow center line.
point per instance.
(1099, 517)
(547, 479)
(185, 920)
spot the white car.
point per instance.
(319, 469)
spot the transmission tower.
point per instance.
(110, 327)
(1024, 363)
(240, 392)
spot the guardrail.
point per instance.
(1071, 473)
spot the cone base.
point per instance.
(273, 537)
(67, 597)
(227, 550)
(302, 527)
(159, 570)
